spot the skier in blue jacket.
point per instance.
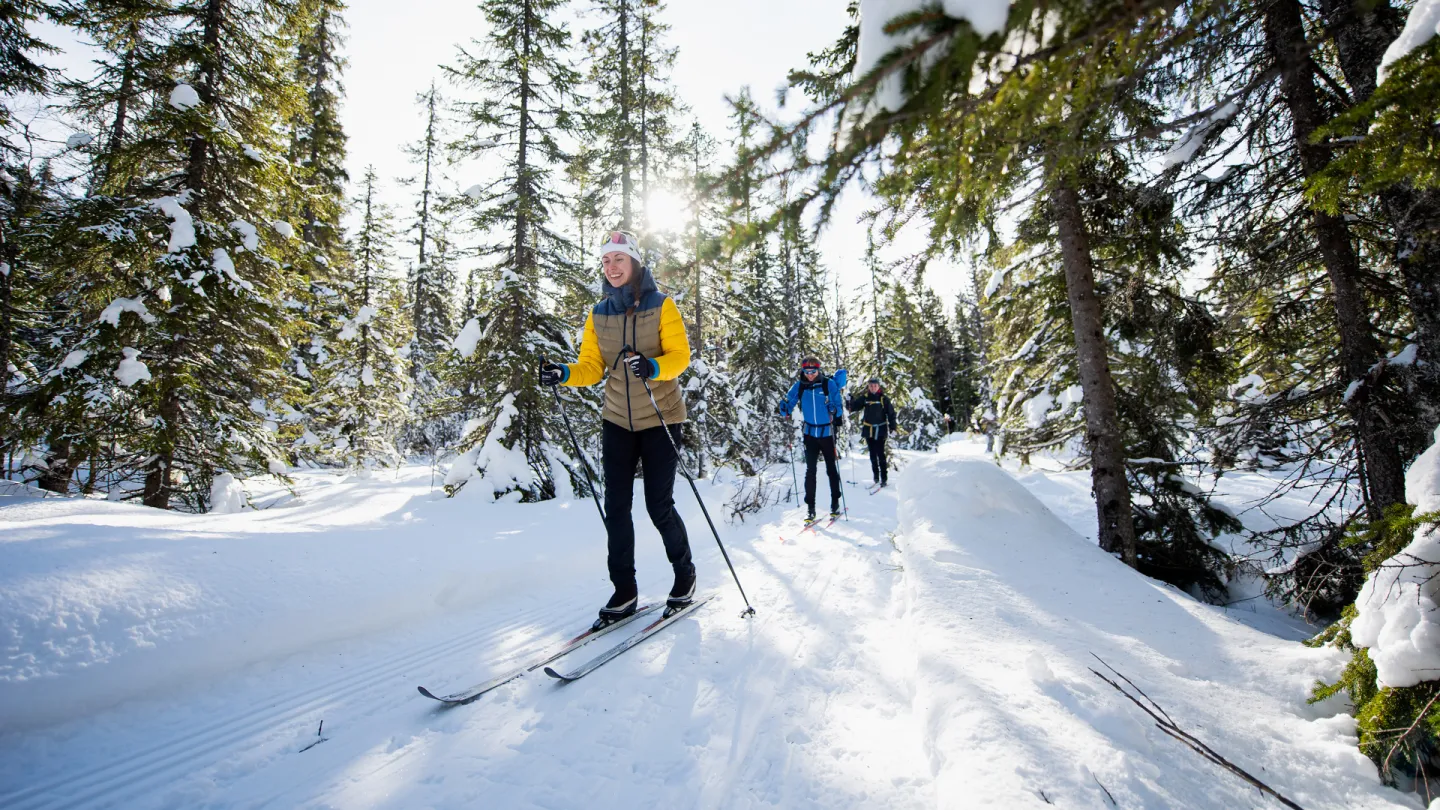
(822, 407)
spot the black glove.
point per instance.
(551, 373)
(639, 366)
(838, 421)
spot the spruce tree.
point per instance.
(214, 354)
(631, 116)
(431, 286)
(526, 104)
(366, 380)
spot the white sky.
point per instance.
(395, 49)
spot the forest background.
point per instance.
(1176, 239)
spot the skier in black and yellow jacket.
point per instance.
(636, 331)
(877, 421)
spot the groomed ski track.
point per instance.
(883, 669)
(693, 705)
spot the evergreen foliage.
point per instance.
(526, 105)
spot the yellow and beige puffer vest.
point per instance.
(651, 326)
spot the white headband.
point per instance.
(621, 242)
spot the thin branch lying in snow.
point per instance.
(1167, 725)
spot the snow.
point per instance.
(1397, 608)
(475, 192)
(73, 359)
(249, 234)
(352, 326)
(227, 495)
(182, 225)
(283, 228)
(79, 139)
(224, 264)
(1406, 356)
(469, 336)
(1351, 390)
(996, 279)
(931, 651)
(131, 369)
(252, 153)
(1071, 397)
(1422, 24)
(183, 97)
(1036, 407)
(111, 314)
(1190, 143)
(875, 43)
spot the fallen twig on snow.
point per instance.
(1167, 725)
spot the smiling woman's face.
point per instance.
(618, 267)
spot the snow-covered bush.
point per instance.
(1393, 629)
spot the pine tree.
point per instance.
(526, 104)
(19, 200)
(631, 120)
(431, 290)
(214, 354)
(756, 357)
(366, 381)
(320, 259)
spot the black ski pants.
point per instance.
(622, 451)
(879, 467)
(816, 446)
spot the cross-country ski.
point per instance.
(646, 632)
(467, 695)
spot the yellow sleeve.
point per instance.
(674, 343)
(589, 368)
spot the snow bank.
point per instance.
(1397, 617)
(1422, 24)
(1006, 607)
(227, 496)
(101, 602)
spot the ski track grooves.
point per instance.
(776, 675)
(158, 766)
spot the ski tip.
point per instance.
(557, 676)
(426, 693)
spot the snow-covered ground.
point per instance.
(932, 651)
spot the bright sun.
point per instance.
(667, 211)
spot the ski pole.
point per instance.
(794, 481)
(589, 474)
(679, 462)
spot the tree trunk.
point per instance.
(159, 478)
(1102, 418)
(1361, 36)
(1359, 348)
(60, 466)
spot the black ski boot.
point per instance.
(809, 513)
(683, 592)
(622, 603)
(834, 509)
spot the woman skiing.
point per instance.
(820, 401)
(877, 422)
(635, 334)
